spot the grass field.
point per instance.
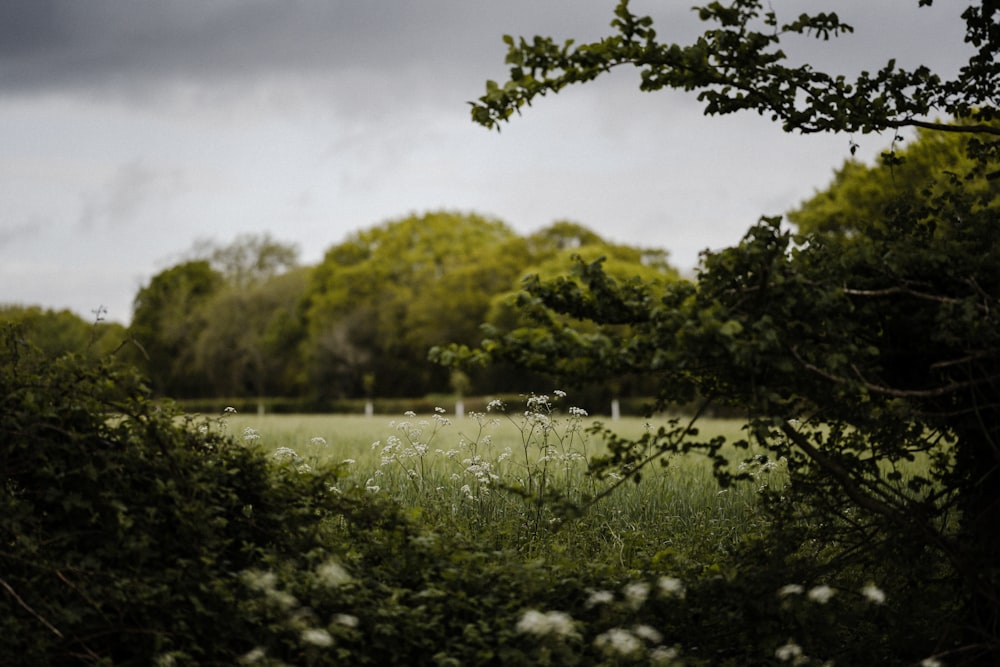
(517, 483)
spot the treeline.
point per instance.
(247, 320)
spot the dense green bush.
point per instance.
(123, 527)
(131, 535)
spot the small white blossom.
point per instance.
(790, 589)
(319, 441)
(873, 594)
(648, 633)
(348, 461)
(556, 623)
(229, 410)
(259, 581)
(671, 587)
(663, 655)
(577, 412)
(496, 405)
(332, 574)
(600, 597)
(636, 593)
(618, 640)
(250, 435)
(317, 637)
(346, 620)
(820, 594)
(559, 393)
(252, 656)
(790, 651)
(285, 455)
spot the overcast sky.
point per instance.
(130, 130)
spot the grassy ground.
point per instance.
(502, 482)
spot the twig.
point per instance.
(28, 608)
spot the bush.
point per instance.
(123, 527)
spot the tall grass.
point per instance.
(522, 481)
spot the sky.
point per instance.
(130, 132)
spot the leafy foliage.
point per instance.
(856, 354)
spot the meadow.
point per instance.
(524, 480)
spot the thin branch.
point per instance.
(24, 605)
(941, 127)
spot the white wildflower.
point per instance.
(285, 455)
(600, 597)
(620, 641)
(250, 435)
(332, 574)
(648, 633)
(790, 651)
(318, 441)
(873, 594)
(230, 410)
(820, 594)
(259, 581)
(440, 411)
(410, 413)
(790, 589)
(663, 655)
(636, 593)
(671, 587)
(556, 623)
(348, 461)
(252, 656)
(496, 405)
(577, 412)
(317, 637)
(559, 393)
(346, 620)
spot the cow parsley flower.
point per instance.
(636, 593)
(618, 640)
(346, 620)
(332, 574)
(600, 597)
(317, 637)
(820, 594)
(647, 632)
(790, 589)
(555, 623)
(671, 587)
(790, 651)
(873, 594)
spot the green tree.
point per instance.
(249, 259)
(926, 170)
(168, 316)
(872, 366)
(61, 332)
(249, 344)
(379, 300)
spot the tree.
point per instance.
(379, 300)
(61, 332)
(168, 315)
(248, 346)
(852, 360)
(930, 169)
(249, 259)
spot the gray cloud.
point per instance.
(132, 188)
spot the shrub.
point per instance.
(124, 527)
